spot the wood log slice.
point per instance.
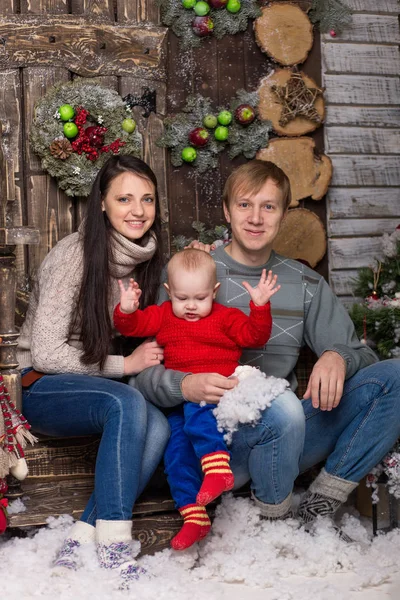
(302, 236)
(308, 173)
(270, 109)
(285, 33)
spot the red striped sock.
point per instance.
(196, 525)
(218, 477)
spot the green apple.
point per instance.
(70, 130)
(210, 121)
(233, 6)
(189, 154)
(129, 125)
(66, 112)
(201, 8)
(224, 117)
(188, 3)
(221, 133)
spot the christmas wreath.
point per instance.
(192, 20)
(199, 133)
(75, 129)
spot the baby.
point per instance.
(199, 336)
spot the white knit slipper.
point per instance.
(68, 557)
(115, 550)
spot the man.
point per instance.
(350, 413)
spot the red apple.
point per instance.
(245, 114)
(199, 137)
(218, 3)
(202, 26)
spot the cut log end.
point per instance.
(270, 108)
(309, 174)
(302, 237)
(285, 33)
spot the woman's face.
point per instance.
(130, 205)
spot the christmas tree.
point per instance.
(377, 319)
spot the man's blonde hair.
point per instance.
(250, 177)
(192, 259)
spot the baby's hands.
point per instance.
(265, 288)
(129, 298)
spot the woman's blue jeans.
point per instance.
(292, 436)
(133, 433)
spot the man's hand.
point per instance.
(265, 288)
(200, 246)
(206, 387)
(325, 386)
(129, 298)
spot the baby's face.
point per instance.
(191, 294)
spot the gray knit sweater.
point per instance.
(46, 342)
(304, 312)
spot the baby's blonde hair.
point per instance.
(192, 259)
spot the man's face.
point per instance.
(255, 221)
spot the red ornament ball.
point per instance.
(332, 33)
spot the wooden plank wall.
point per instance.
(217, 70)
(37, 200)
(361, 70)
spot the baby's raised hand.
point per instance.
(129, 297)
(265, 288)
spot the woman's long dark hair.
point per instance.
(92, 313)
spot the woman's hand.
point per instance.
(265, 288)
(148, 354)
(129, 297)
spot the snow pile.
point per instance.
(245, 402)
(240, 549)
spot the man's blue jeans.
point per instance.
(292, 436)
(133, 434)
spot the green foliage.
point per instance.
(379, 320)
(204, 235)
(76, 174)
(389, 277)
(330, 14)
(246, 140)
(180, 19)
(382, 326)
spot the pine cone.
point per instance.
(61, 148)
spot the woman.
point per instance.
(68, 336)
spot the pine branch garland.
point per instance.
(246, 140)
(179, 19)
(330, 15)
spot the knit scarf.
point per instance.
(14, 432)
(126, 254)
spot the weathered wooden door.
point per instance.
(44, 42)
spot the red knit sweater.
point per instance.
(211, 345)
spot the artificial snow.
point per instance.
(242, 557)
(245, 402)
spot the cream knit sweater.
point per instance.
(45, 341)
